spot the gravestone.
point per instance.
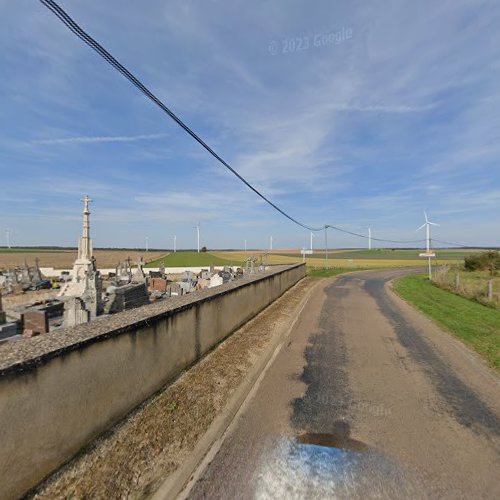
(175, 289)
(216, 280)
(139, 275)
(75, 312)
(123, 298)
(2, 313)
(36, 321)
(157, 285)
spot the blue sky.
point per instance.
(367, 130)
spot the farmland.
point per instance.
(384, 254)
(64, 258)
(354, 259)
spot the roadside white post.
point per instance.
(427, 224)
(305, 252)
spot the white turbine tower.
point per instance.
(427, 224)
(7, 237)
(312, 236)
(147, 243)
(369, 238)
(271, 243)
(175, 243)
(198, 234)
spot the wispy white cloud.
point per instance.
(98, 139)
(402, 118)
(382, 108)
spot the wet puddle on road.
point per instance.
(332, 465)
(339, 438)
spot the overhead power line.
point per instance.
(86, 38)
(453, 244)
(94, 45)
(372, 238)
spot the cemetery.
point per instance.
(43, 300)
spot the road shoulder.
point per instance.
(172, 431)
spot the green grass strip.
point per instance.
(191, 259)
(476, 325)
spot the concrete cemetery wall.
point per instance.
(61, 390)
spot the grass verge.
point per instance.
(476, 325)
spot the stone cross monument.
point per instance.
(86, 282)
(85, 245)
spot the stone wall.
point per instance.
(60, 391)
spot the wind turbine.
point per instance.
(369, 238)
(427, 224)
(271, 243)
(147, 243)
(175, 243)
(312, 236)
(7, 237)
(198, 234)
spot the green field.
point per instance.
(192, 259)
(388, 254)
(476, 325)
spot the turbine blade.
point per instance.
(433, 223)
(426, 218)
(422, 226)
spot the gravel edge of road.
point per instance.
(180, 483)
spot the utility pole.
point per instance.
(428, 251)
(326, 246)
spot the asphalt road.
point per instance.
(367, 399)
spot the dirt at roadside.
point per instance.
(137, 455)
